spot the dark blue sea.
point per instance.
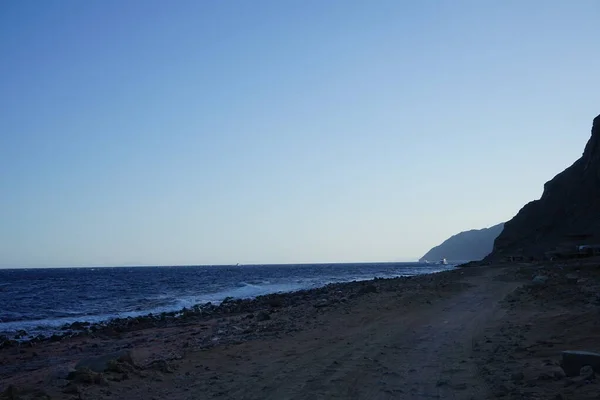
(42, 300)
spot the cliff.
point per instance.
(470, 245)
(567, 212)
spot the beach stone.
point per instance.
(572, 278)
(71, 389)
(263, 316)
(87, 376)
(587, 372)
(574, 360)
(539, 280)
(517, 377)
(545, 376)
(102, 363)
(368, 289)
(161, 365)
(500, 390)
(558, 373)
(321, 303)
(119, 367)
(59, 372)
(275, 301)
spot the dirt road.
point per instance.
(375, 350)
(373, 354)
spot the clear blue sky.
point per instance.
(205, 132)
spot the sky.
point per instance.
(148, 132)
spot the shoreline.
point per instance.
(143, 320)
(482, 332)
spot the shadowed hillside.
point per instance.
(567, 214)
(466, 246)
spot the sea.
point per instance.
(42, 300)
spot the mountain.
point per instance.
(567, 214)
(470, 245)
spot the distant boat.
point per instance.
(443, 261)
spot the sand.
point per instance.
(473, 333)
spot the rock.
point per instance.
(11, 393)
(500, 391)
(517, 377)
(545, 376)
(568, 206)
(87, 376)
(539, 280)
(21, 334)
(587, 372)
(263, 316)
(71, 389)
(321, 303)
(558, 373)
(55, 338)
(275, 301)
(574, 360)
(572, 278)
(119, 367)
(102, 363)
(368, 289)
(59, 372)
(576, 382)
(161, 365)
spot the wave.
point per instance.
(170, 302)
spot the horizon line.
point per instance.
(209, 265)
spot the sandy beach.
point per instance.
(473, 333)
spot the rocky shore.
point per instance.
(167, 337)
(474, 332)
(255, 310)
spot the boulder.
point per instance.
(161, 365)
(574, 360)
(104, 362)
(87, 376)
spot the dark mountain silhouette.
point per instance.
(470, 245)
(567, 212)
